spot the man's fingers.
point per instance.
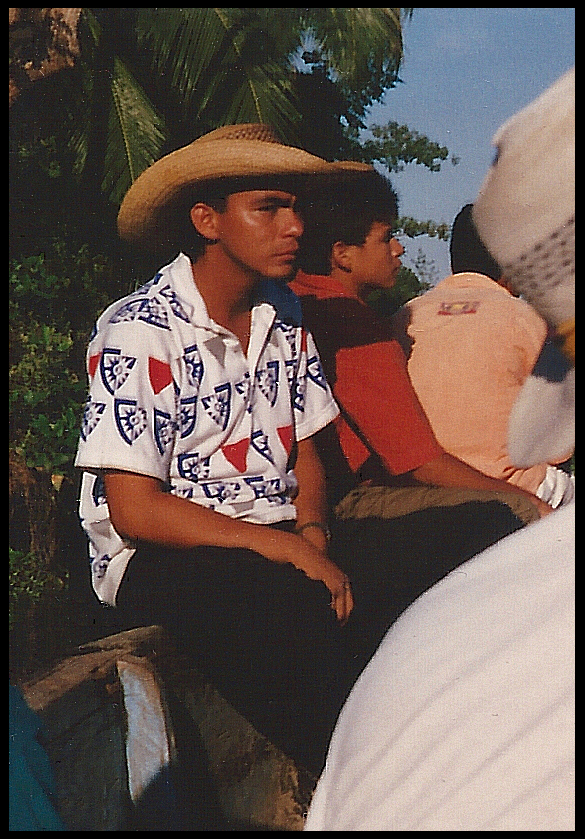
(342, 601)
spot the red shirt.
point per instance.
(381, 415)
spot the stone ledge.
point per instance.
(139, 738)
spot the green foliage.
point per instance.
(54, 300)
(411, 227)
(29, 582)
(395, 145)
(148, 80)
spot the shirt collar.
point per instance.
(278, 296)
(320, 286)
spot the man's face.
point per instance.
(377, 261)
(260, 230)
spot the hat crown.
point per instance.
(244, 131)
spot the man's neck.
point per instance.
(347, 280)
(226, 288)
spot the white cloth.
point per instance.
(525, 215)
(557, 488)
(464, 717)
(526, 202)
(173, 396)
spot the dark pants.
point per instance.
(265, 634)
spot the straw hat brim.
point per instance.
(201, 163)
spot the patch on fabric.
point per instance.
(459, 307)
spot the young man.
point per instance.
(203, 497)
(383, 440)
(471, 343)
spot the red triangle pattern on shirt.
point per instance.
(237, 453)
(285, 432)
(303, 341)
(92, 364)
(159, 373)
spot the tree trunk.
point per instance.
(41, 42)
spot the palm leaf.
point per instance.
(189, 45)
(261, 95)
(136, 133)
(363, 48)
(222, 63)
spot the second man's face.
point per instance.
(377, 261)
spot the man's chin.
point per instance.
(282, 276)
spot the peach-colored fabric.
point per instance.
(472, 346)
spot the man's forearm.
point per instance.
(311, 501)
(449, 471)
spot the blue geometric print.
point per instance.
(272, 489)
(192, 467)
(187, 415)
(290, 335)
(244, 389)
(130, 419)
(150, 311)
(164, 428)
(92, 414)
(218, 405)
(175, 303)
(292, 367)
(260, 443)
(115, 368)
(315, 372)
(98, 491)
(194, 365)
(268, 381)
(222, 491)
(298, 393)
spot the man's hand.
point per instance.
(314, 562)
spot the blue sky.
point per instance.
(465, 72)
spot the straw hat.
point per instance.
(232, 152)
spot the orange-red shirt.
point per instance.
(366, 369)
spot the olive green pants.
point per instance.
(390, 502)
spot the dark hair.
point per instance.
(345, 214)
(468, 252)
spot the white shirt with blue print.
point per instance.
(173, 396)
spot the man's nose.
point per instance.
(293, 223)
(396, 247)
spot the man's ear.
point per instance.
(341, 256)
(205, 220)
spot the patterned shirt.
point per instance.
(173, 396)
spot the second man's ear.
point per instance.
(341, 256)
